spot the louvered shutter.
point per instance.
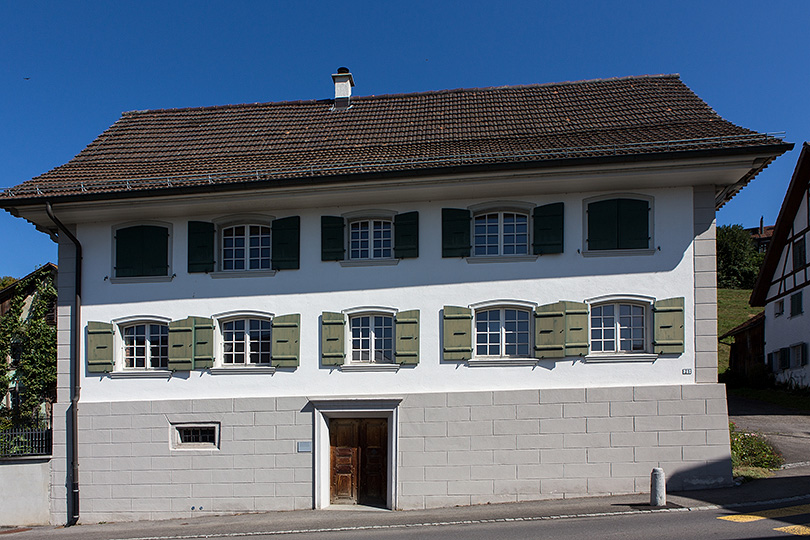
(332, 339)
(406, 235)
(286, 240)
(100, 355)
(602, 225)
(457, 330)
(549, 331)
(286, 331)
(181, 345)
(332, 238)
(128, 245)
(407, 337)
(203, 339)
(548, 229)
(456, 232)
(668, 333)
(201, 246)
(576, 328)
(633, 224)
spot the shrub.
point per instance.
(752, 450)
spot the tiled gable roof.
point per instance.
(404, 133)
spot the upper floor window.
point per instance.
(146, 346)
(502, 230)
(372, 338)
(246, 341)
(796, 307)
(371, 239)
(501, 233)
(799, 254)
(141, 251)
(618, 328)
(246, 247)
(253, 244)
(779, 308)
(618, 224)
(503, 332)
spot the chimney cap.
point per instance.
(343, 75)
(343, 70)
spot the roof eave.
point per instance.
(772, 151)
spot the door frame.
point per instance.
(327, 408)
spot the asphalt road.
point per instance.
(787, 429)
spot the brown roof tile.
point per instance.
(407, 132)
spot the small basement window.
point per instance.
(196, 436)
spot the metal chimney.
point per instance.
(343, 88)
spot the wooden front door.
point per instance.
(359, 460)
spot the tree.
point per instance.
(5, 281)
(738, 261)
(30, 342)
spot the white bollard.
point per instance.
(658, 488)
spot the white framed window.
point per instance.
(500, 233)
(246, 247)
(246, 341)
(145, 345)
(371, 239)
(779, 308)
(620, 327)
(372, 338)
(503, 332)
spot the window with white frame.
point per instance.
(618, 328)
(146, 346)
(246, 247)
(372, 336)
(779, 308)
(501, 233)
(503, 333)
(371, 239)
(246, 341)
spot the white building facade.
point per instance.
(424, 336)
(782, 285)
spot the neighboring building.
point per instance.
(747, 352)
(761, 235)
(419, 300)
(7, 294)
(783, 281)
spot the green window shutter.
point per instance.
(633, 224)
(181, 345)
(203, 342)
(457, 330)
(142, 250)
(407, 337)
(549, 331)
(128, 246)
(668, 337)
(332, 238)
(406, 235)
(576, 328)
(456, 232)
(286, 332)
(548, 229)
(332, 338)
(286, 239)
(804, 354)
(200, 246)
(99, 347)
(602, 225)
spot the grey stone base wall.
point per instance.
(454, 449)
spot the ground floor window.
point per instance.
(502, 332)
(246, 341)
(146, 346)
(619, 328)
(372, 338)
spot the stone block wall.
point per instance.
(454, 449)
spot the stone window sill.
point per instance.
(242, 370)
(369, 262)
(502, 362)
(242, 273)
(500, 258)
(368, 368)
(141, 374)
(638, 357)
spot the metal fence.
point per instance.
(26, 442)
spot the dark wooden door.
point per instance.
(359, 460)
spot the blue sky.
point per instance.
(68, 69)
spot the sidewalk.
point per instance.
(786, 487)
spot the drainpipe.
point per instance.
(75, 386)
